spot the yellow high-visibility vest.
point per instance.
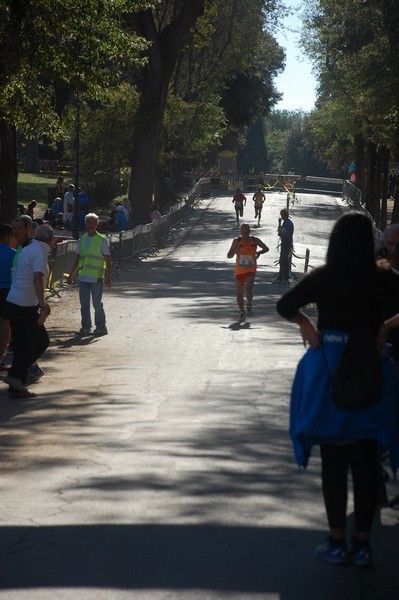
(92, 262)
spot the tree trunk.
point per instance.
(395, 210)
(166, 45)
(32, 156)
(385, 155)
(371, 178)
(8, 172)
(360, 165)
(145, 146)
(377, 188)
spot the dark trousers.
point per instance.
(29, 339)
(362, 459)
(285, 259)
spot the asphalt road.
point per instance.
(155, 462)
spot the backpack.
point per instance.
(357, 382)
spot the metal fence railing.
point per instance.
(128, 246)
(352, 195)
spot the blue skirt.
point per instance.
(314, 417)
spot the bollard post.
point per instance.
(307, 254)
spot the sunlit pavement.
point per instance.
(155, 462)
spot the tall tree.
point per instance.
(226, 70)
(166, 28)
(353, 45)
(81, 43)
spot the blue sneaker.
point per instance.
(33, 374)
(360, 554)
(331, 552)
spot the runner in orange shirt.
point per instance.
(258, 199)
(239, 201)
(245, 250)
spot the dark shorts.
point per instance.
(240, 210)
(4, 311)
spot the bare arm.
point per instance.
(38, 283)
(73, 270)
(384, 331)
(309, 331)
(262, 245)
(233, 249)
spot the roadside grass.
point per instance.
(31, 186)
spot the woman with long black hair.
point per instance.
(350, 289)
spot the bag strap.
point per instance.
(326, 362)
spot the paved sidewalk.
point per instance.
(155, 462)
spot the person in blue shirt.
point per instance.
(57, 207)
(286, 233)
(7, 255)
(121, 222)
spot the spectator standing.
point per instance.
(154, 212)
(6, 259)
(68, 205)
(286, 233)
(125, 209)
(59, 187)
(27, 308)
(121, 222)
(346, 291)
(83, 207)
(93, 262)
(22, 231)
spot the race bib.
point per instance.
(246, 260)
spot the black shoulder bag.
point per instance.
(357, 381)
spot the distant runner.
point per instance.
(239, 201)
(258, 199)
(245, 250)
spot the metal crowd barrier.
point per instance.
(352, 195)
(130, 245)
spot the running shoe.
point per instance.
(100, 331)
(83, 331)
(15, 394)
(15, 384)
(332, 552)
(360, 554)
(34, 373)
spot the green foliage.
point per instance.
(291, 144)
(45, 43)
(224, 77)
(354, 49)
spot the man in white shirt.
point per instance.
(28, 309)
(68, 204)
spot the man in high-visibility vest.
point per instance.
(94, 263)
